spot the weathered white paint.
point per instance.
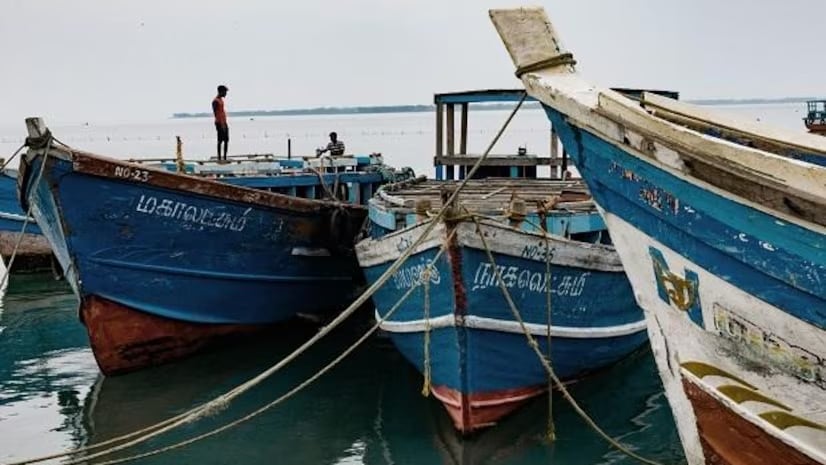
(675, 339)
(389, 248)
(501, 238)
(509, 326)
(615, 117)
(310, 252)
(16, 217)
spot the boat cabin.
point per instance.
(815, 119)
(453, 162)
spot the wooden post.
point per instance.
(554, 154)
(439, 129)
(564, 162)
(36, 127)
(463, 134)
(451, 129)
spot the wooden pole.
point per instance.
(451, 129)
(463, 134)
(439, 129)
(35, 127)
(555, 173)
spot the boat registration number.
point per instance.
(135, 174)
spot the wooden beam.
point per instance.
(451, 129)
(554, 151)
(463, 135)
(439, 129)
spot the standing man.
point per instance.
(221, 126)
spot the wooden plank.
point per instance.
(439, 129)
(509, 160)
(758, 131)
(451, 129)
(463, 130)
(554, 152)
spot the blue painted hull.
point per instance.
(776, 261)
(487, 356)
(186, 261)
(33, 251)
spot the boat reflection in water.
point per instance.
(368, 410)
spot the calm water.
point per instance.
(369, 410)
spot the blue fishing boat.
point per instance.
(164, 262)
(720, 226)
(815, 119)
(554, 255)
(33, 252)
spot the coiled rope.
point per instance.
(223, 400)
(545, 363)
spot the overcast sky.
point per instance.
(110, 60)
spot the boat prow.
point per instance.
(721, 227)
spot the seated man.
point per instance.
(335, 147)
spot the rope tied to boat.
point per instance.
(546, 363)
(47, 140)
(146, 433)
(425, 278)
(288, 394)
(562, 59)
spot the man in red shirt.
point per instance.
(221, 126)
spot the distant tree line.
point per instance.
(350, 110)
(428, 108)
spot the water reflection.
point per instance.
(369, 410)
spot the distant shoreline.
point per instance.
(369, 110)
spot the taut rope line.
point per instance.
(293, 391)
(222, 400)
(545, 363)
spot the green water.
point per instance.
(369, 410)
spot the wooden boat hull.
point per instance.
(478, 357)
(182, 258)
(723, 242)
(33, 253)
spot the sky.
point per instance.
(116, 60)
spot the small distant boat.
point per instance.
(467, 340)
(721, 226)
(163, 263)
(815, 119)
(33, 252)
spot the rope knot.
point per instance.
(39, 142)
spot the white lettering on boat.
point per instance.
(181, 211)
(411, 275)
(135, 174)
(516, 277)
(537, 252)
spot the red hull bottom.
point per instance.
(471, 412)
(729, 439)
(124, 339)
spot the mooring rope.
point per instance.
(426, 349)
(221, 401)
(22, 232)
(545, 363)
(549, 282)
(293, 391)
